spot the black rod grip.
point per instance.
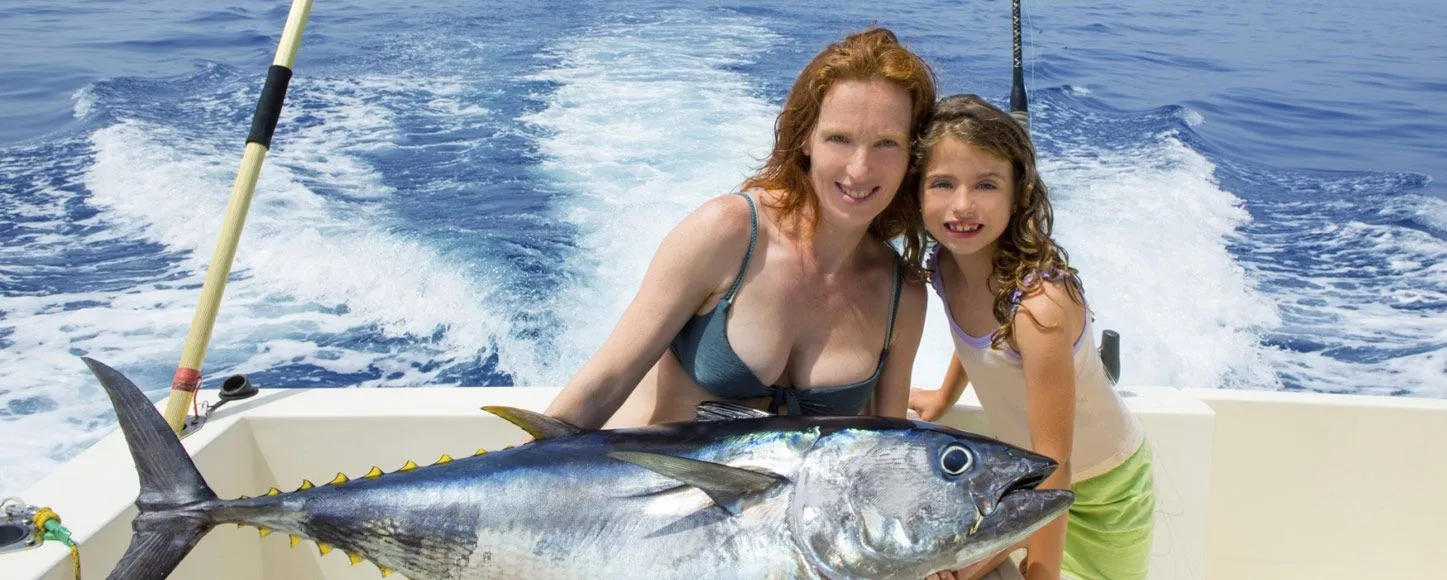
(268, 109)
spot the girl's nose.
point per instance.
(962, 202)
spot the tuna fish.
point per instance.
(737, 493)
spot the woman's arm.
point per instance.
(698, 259)
(1046, 325)
(892, 394)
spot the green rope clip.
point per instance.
(55, 531)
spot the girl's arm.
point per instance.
(931, 405)
(1046, 325)
(892, 394)
(699, 258)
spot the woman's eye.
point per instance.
(940, 184)
(837, 139)
(889, 143)
(988, 185)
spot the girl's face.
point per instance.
(859, 150)
(967, 196)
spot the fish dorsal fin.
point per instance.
(538, 425)
(728, 486)
(724, 411)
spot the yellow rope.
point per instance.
(45, 515)
(75, 558)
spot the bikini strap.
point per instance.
(728, 298)
(894, 307)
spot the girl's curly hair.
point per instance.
(1026, 255)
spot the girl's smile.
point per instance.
(967, 196)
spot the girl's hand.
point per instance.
(971, 572)
(929, 404)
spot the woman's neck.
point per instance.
(831, 248)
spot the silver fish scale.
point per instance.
(481, 517)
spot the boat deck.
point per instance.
(1250, 484)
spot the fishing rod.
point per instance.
(1019, 101)
(1109, 349)
(268, 108)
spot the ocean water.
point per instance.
(467, 193)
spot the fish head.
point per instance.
(913, 500)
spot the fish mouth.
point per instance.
(1033, 475)
(1022, 507)
(1034, 503)
(1020, 510)
(1024, 484)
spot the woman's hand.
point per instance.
(929, 404)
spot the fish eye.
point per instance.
(956, 460)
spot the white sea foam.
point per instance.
(646, 124)
(1148, 228)
(309, 265)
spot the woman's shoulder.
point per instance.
(723, 219)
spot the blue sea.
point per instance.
(467, 193)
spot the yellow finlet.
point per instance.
(264, 531)
(273, 491)
(385, 571)
(355, 558)
(323, 548)
(341, 478)
(305, 485)
(243, 497)
(480, 452)
(444, 459)
(409, 466)
(295, 540)
(374, 473)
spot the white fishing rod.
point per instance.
(188, 373)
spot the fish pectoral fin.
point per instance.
(725, 411)
(726, 485)
(538, 425)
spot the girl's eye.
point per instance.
(889, 143)
(988, 185)
(837, 139)
(940, 184)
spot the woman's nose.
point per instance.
(858, 166)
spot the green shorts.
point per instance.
(1109, 535)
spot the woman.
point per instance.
(787, 296)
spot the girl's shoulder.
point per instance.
(1049, 301)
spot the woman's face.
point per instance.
(966, 196)
(859, 150)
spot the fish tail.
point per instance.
(175, 502)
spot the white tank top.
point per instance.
(1106, 433)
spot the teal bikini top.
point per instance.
(703, 348)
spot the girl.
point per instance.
(1023, 338)
(787, 296)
